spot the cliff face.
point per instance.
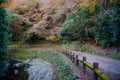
(45, 16)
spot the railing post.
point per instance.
(77, 62)
(66, 53)
(62, 52)
(95, 66)
(73, 58)
(69, 54)
(84, 66)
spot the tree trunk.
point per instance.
(86, 32)
(106, 3)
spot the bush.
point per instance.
(11, 16)
(35, 38)
(71, 29)
(26, 26)
(52, 38)
(103, 43)
(84, 48)
(77, 25)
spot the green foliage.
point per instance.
(102, 24)
(26, 26)
(75, 45)
(75, 26)
(114, 56)
(16, 26)
(3, 33)
(61, 67)
(52, 38)
(3, 41)
(3, 68)
(71, 28)
(68, 45)
(85, 48)
(103, 43)
(67, 27)
(35, 38)
(107, 28)
(17, 29)
(102, 30)
(116, 25)
(11, 16)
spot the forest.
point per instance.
(33, 33)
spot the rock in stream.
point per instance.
(39, 70)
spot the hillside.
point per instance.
(69, 20)
(33, 33)
(38, 16)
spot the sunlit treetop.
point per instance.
(89, 3)
(92, 3)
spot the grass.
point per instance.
(115, 56)
(85, 48)
(61, 66)
(88, 49)
(73, 46)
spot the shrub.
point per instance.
(104, 43)
(35, 38)
(26, 26)
(52, 38)
(10, 16)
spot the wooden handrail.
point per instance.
(97, 72)
(101, 75)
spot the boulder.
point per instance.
(39, 70)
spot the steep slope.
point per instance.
(45, 16)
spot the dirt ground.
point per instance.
(98, 48)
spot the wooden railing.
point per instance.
(97, 74)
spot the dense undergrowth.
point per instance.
(98, 20)
(62, 70)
